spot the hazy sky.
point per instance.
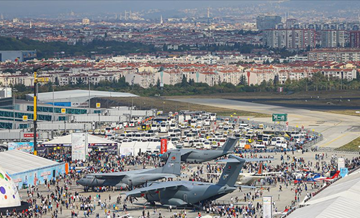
(32, 8)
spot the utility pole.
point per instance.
(35, 112)
(36, 80)
(89, 94)
(53, 103)
(13, 95)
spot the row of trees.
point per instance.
(54, 49)
(318, 82)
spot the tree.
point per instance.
(276, 80)
(158, 83)
(79, 81)
(318, 80)
(56, 82)
(184, 82)
(243, 80)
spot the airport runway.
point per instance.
(337, 129)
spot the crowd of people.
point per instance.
(62, 193)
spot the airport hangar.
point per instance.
(50, 106)
(27, 169)
(75, 98)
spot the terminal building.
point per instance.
(75, 98)
(60, 112)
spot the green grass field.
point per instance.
(351, 146)
(168, 105)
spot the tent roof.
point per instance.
(67, 140)
(16, 161)
(340, 199)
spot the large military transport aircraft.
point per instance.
(136, 177)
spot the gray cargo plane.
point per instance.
(135, 177)
(199, 156)
(181, 193)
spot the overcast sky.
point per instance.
(32, 8)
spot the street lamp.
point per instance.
(13, 95)
(35, 104)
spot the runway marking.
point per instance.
(337, 138)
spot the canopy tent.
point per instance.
(16, 161)
(92, 141)
(133, 148)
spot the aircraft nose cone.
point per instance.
(80, 181)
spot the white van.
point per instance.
(172, 126)
(109, 131)
(154, 127)
(281, 144)
(191, 136)
(207, 122)
(213, 117)
(164, 127)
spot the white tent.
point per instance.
(66, 141)
(133, 148)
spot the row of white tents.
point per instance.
(126, 148)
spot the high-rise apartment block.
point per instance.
(290, 38)
(267, 22)
(355, 39)
(332, 38)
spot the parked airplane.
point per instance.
(180, 193)
(135, 177)
(250, 178)
(199, 156)
(328, 179)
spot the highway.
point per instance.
(337, 129)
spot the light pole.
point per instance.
(53, 103)
(13, 95)
(35, 105)
(35, 111)
(89, 94)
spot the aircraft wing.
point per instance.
(117, 175)
(257, 159)
(185, 151)
(156, 187)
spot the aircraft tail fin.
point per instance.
(173, 163)
(335, 175)
(229, 145)
(231, 171)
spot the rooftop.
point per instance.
(16, 161)
(78, 93)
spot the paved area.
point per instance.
(337, 129)
(281, 198)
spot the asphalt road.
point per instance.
(337, 129)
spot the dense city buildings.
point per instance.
(211, 47)
(332, 38)
(290, 38)
(336, 55)
(267, 22)
(355, 39)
